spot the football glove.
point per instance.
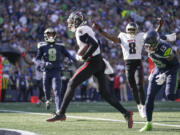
(48, 65)
(171, 37)
(79, 58)
(161, 78)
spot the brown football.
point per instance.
(82, 51)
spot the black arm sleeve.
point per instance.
(93, 45)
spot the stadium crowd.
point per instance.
(22, 23)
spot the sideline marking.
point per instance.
(90, 118)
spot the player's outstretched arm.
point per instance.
(160, 20)
(168, 37)
(105, 34)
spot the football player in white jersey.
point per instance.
(38, 76)
(132, 43)
(93, 65)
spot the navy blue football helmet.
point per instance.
(151, 40)
(50, 35)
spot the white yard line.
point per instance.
(91, 118)
(22, 132)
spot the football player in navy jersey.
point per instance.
(166, 72)
(51, 52)
(93, 65)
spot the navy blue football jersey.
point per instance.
(161, 56)
(52, 54)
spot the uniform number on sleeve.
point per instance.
(52, 54)
(132, 48)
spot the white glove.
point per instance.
(171, 37)
(79, 58)
(161, 78)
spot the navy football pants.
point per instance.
(153, 89)
(52, 80)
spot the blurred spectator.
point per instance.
(123, 87)
(117, 86)
(12, 80)
(93, 93)
(30, 88)
(66, 74)
(5, 84)
(83, 89)
(22, 85)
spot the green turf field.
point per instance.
(89, 119)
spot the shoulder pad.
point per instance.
(121, 34)
(40, 44)
(61, 44)
(83, 29)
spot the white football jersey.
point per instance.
(38, 75)
(81, 30)
(131, 45)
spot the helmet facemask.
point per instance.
(50, 35)
(74, 20)
(131, 28)
(151, 41)
(150, 48)
(71, 25)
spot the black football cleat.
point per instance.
(129, 119)
(56, 117)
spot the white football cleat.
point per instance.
(47, 105)
(143, 111)
(139, 109)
